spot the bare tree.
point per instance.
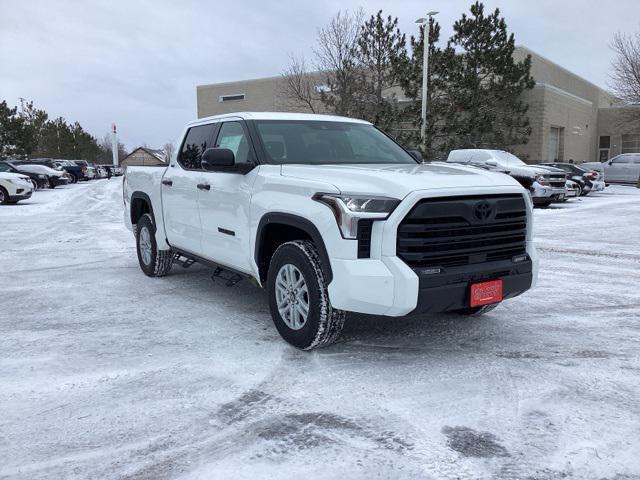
(298, 85)
(169, 149)
(337, 59)
(625, 77)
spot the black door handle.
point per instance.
(204, 186)
(168, 183)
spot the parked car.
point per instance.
(88, 171)
(76, 172)
(588, 180)
(623, 168)
(573, 190)
(38, 180)
(544, 184)
(14, 187)
(331, 215)
(55, 178)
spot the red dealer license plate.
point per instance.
(486, 293)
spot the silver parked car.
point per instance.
(623, 168)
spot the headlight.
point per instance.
(542, 180)
(349, 209)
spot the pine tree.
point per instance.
(381, 54)
(12, 132)
(437, 93)
(485, 85)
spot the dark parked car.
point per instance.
(55, 176)
(588, 180)
(38, 180)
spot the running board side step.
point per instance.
(229, 277)
(183, 261)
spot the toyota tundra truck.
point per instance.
(330, 215)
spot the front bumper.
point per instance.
(541, 194)
(385, 285)
(22, 194)
(450, 290)
(58, 181)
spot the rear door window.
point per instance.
(198, 139)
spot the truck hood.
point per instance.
(397, 181)
(532, 170)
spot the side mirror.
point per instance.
(217, 158)
(492, 163)
(416, 154)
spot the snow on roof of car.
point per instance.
(279, 116)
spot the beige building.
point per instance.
(571, 118)
(142, 156)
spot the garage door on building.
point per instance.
(630, 143)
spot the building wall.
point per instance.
(615, 122)
(560, 99)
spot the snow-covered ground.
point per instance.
(105, 373)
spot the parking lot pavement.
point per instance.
(106, 373)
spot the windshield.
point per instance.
(507, 159)
(318, 142)
(4, 167)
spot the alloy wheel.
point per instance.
(145, 245)
(292, 296)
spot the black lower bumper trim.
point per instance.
(17, 198)
(450, 290)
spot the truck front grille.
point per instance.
(557, 181)
(455, 231)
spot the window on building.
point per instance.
(630, 143)
(233, 137)
(605, 141)
(232, 98)
(197, 141)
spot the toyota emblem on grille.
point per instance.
(482, 210)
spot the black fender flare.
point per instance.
(298, 222)
(142, 196)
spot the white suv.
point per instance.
(331, 215)
(14, 187)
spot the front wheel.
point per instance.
(34, 184)
(153, 262)
(4, 196)
(298, 297)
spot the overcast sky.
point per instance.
(138, 63)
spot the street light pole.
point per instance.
(425, 74)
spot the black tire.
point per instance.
(4, 196)
(34, 184)
(50, 184)
(542, 204)
(323, 323)
(159, 262)
(476, 311)
(74, 179)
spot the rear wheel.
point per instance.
(153, 262)
(298, 297)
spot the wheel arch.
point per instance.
(276, 228)
(141, 204)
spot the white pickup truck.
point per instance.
(330, 215)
